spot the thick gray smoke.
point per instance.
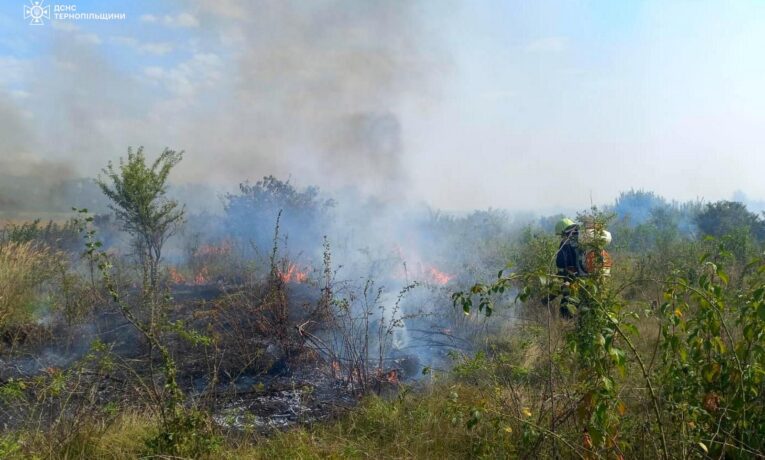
(314, 90)
(310, 90)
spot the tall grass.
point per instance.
(24, 268)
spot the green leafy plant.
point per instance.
(714, 357)
(137, 192)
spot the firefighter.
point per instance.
(568, 261)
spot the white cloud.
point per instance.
(126, 41)
(156, 48)
(182, 20)
(74, 31)
(88, 39)
(186, 20)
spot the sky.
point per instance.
(458, 104)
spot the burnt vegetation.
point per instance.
(295, 325)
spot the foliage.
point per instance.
(596, 345)
(25, 268)
(187, 435)
(730, 217)
(664, 358)
(713, 350)
(137, 192)
(138, 197)
(60, 236)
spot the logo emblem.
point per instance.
(36, 11)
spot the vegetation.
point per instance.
(137, 194)
(24, 269)
(663, 358)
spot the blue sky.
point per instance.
(520, 105)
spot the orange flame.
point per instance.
(176, 277)
(293, 275)
(390, 376)
(439, 277)
(202, 276)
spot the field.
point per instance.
(279, 330)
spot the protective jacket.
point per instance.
(567, 260)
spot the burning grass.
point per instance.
(293, 274)
(277, 339)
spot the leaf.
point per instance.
(630, 328)
(757, 295)
(710, 372)
(618, 356)
(703, 447)
(704, 281)
(761, 312)
(718, 344)
(723, 276)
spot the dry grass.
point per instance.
(20, 218)
(428, 424)
(24, 267)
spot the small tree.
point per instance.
(137, 193)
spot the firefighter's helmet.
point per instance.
(563, 225)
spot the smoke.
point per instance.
(349, 64)
(311, 90)
(27, 181)
(315, 91)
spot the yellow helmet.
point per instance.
(563, 225)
